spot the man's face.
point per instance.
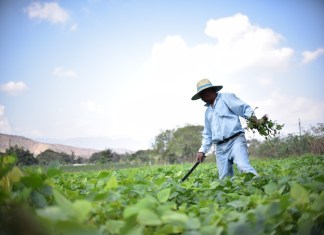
(208, 95)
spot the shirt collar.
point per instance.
(217, 97)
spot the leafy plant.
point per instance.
(264, 126)
(287, 198)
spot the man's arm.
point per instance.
(239, 107)
(206, 141)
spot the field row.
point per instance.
(287, 198)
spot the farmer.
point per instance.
(223, 128)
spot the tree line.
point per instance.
(25, 157)
(180, 145)
(311, 141)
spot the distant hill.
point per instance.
(118, 145)
(37, 147)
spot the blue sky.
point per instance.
(127, 69)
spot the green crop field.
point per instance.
(287, 198)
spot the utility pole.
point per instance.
(299, 127)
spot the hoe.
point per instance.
(191, 170)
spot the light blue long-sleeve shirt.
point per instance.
(222, 120)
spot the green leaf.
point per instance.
(130, 211)
(114, 226)
(240, 228)
(74, 228)
(318, 204)
(33, 180)
(238, 204)
(133, 230)
(274, 209)
(305, 224)
(38, 199)
(300, 194)
(6, 164)
(82, 209)
(164, 194)
(111, 183)
(64, 204)
(174, 218)
(193, 223)
(211, 230)
(147, 202)
(52, 213)
(103, 174)
(15, 174)
(148, 217)
(270, 188)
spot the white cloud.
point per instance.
(228, 28)
(4, 123)
(241, 45)
(238, 46)
(309, 56)
(13, 88)
(240, 51)
(92, 107)
(47, 11)
(61, 72)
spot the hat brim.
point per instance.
(197, 96)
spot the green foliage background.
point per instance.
(311, 141)
(287, 198)
(182, 144)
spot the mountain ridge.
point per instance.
(37, 147)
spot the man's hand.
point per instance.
(254, 121)
(200, 157)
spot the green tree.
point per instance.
(143, 156)
(178, 145)
(185, 143)
(254, 146)
(49, 156)
(24, 157)
(317, 144)
(162, 141)
(104, 156)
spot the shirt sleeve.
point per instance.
(206, 137)
(239, 107)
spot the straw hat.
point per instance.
(202, 85)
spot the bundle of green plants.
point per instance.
(264, 126)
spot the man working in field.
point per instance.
(223, 128)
